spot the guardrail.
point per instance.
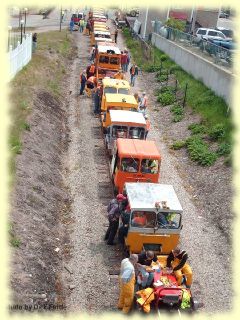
(219, 54)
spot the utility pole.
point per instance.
(60, 29)
(145, 24)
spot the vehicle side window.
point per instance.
(150, 166)
(123, 91)
(136, 133)
(110, 90)
(212, 33)
(119, 132)
(114, 60)
(220, 35)
(143, 219)
(170, 220)
(201, 32)
(103, 59)
(130, 165)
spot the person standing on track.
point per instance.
(127, 282)
(133, 73)
(114, 211)
(116, 35)
(83, 81)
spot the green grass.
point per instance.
(45, 72)
(14, 241)
(203, 101)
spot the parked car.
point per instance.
(133, 12)
(76, 17)
(227, 32)
(208, 34)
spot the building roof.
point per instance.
(124, 116)
(119, 98)
(138, 148)
(145, 195)
(109, 82)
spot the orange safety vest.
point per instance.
(92, 69)
(147, 125)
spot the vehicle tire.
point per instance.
(133, 13)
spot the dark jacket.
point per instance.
(182, 257)
(135, 71)
(142, 259)
(113, 210)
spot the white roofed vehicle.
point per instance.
(124, 124)
(155, 219)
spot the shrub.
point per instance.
(199, 152)
(175, 24)
(161, 72)
(174, 68)
(197, 128)
(177, 110)
(217, 132)
(163, 57)
(224, 149)
(162, 78)
(177, 118)
(26, 126)
(166, 98)
(167, 89)
(178, 144)
(16, 145)
(152, 68)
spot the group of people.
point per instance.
(136, 268)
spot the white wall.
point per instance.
(20, 56)
(213, 76)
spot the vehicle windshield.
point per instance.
(136, 133)
(110, 90)
(114, 60)
(104, 59)
(149, 219)
(150, 166)
(143, 219)
(169, 220)
(123, 91)
(129, 165)
(119, 132)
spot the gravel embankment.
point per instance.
(208, 248)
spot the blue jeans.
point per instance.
(147, 278)
(133, 77)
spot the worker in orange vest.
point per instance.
(133, 73)
(90, 70)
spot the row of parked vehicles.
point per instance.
(135, 163)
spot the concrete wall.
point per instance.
(213, 76)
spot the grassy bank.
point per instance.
(212, 109)
(45, 71)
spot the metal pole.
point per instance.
(21, 32)
(145, 25)
(25, 13)
(60, 29)
(185, 95)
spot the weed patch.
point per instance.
(166, 98)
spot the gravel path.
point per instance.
(89, 186)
